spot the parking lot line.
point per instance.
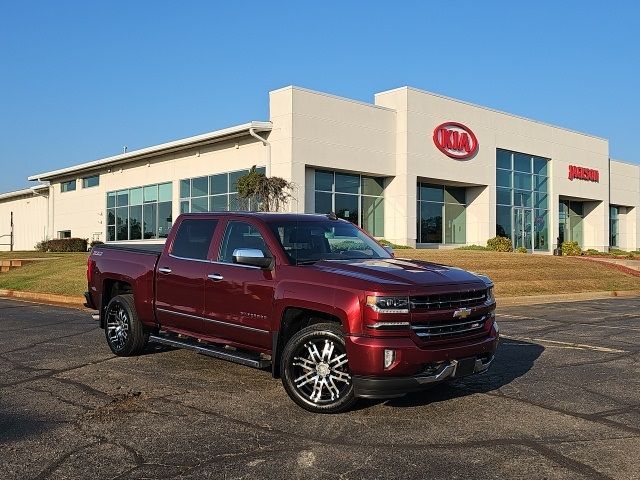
(569, 345)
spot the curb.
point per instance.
(46, 298)
(565, 297)
(78, 302)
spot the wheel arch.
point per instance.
(292, 320)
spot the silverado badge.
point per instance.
(462, 313)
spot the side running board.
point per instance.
(243, 358)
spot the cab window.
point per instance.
(241, 235)
(193, 238)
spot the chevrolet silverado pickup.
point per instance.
(313, 298)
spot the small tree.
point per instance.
(258, 192)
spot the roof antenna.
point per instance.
(124, 149)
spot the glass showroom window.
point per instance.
(614, 226)
(213, 193)
(442, 214)
(139, 213)
(357, 198)
(522, 200)
(570, 216)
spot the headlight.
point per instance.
(388, 304)
(490, 297)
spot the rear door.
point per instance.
(239, 298)
(181, 276)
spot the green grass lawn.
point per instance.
(514, 274)
(61, 273)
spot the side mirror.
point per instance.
(252, 257)
(390, 250)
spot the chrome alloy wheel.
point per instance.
(320, 371)
(118, 324)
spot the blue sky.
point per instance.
(79, 80)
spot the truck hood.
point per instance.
(408, 274)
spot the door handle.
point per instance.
(164, 270)
(215, 276)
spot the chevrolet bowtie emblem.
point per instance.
(462, 313)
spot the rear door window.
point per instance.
(193, 239)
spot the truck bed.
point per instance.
(148, 248)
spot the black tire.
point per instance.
(318, 380)
(124, 332)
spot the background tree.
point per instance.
(258, 192)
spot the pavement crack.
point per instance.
(566, 462)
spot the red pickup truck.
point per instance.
(314, 298)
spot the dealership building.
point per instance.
(412, 167)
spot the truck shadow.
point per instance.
(513, 359)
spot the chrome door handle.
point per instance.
(164, 270)
(216, 277)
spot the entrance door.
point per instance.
(523, 228)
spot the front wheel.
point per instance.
(123, 329)
(315, 369)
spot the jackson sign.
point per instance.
(582, 173)
(455, 140)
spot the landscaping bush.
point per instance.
(96, 242)
(63, 245)
(395, 246)
(571, 248)
(473, 247)
(499, 244)
(522, 250)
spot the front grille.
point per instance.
(437, 331)
(443, 301)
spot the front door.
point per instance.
(239, 298)
(523, 228)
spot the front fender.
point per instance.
(341, 303)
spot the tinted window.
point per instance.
(241, 235)
(88, 182)
(193, 239)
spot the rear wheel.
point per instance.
(315, 369)
(124, 331)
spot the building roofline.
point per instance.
(331, 95)
(626, 162)
(203, 139)
(493, 110)
(23, 192)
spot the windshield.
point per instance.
(309, 241)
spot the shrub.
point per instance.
(473, 247)
(522, 250)
(63, 245)
(395, 246)
(571, 248)
(499, 244)
(96, 242)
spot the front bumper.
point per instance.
(391, 387)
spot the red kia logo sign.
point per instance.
(582, 173)
(455, 140)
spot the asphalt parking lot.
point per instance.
(562, 400)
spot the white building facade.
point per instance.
(413, 167)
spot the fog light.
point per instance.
(389, 358)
